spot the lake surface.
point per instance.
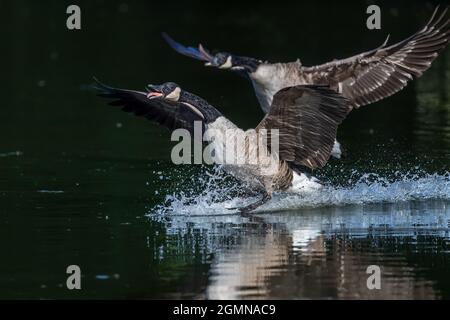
(84, 184)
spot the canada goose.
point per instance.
(363, 79)
(306, 118)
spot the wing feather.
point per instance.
(379, 73)
(171, 115)
(307, 118)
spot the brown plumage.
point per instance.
(379, 73)
(304, 117)
(363, 79)
(307, 118)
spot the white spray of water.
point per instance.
(216, 198)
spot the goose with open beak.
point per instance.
(305, 119)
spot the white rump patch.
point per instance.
(337, 151)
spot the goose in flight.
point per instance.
(363, 79)
(305, 118)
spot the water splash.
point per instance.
(220, 193)
(210, 192)
(372, 188)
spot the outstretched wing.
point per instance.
(199, 53)
(307, 118)
(172, 115)
(377, 74)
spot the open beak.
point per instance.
(154, 94)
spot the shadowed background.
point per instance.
(77, 177)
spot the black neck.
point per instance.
(249, 65)
(209, 112)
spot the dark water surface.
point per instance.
(84, 184)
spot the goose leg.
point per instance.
(266, 197)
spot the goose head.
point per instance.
(171, 93)
(221, 60)
(168, 91)
(224, 60)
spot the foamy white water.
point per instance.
(250, 251)
(369, 188)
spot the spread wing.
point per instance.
(377, 74)
(199, 53)
(307, 118)
(172, 115)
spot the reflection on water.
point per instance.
(80, 182)
(324, 253)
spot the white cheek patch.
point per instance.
(227, 64)
(174, 95)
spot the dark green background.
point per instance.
(68, 140)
